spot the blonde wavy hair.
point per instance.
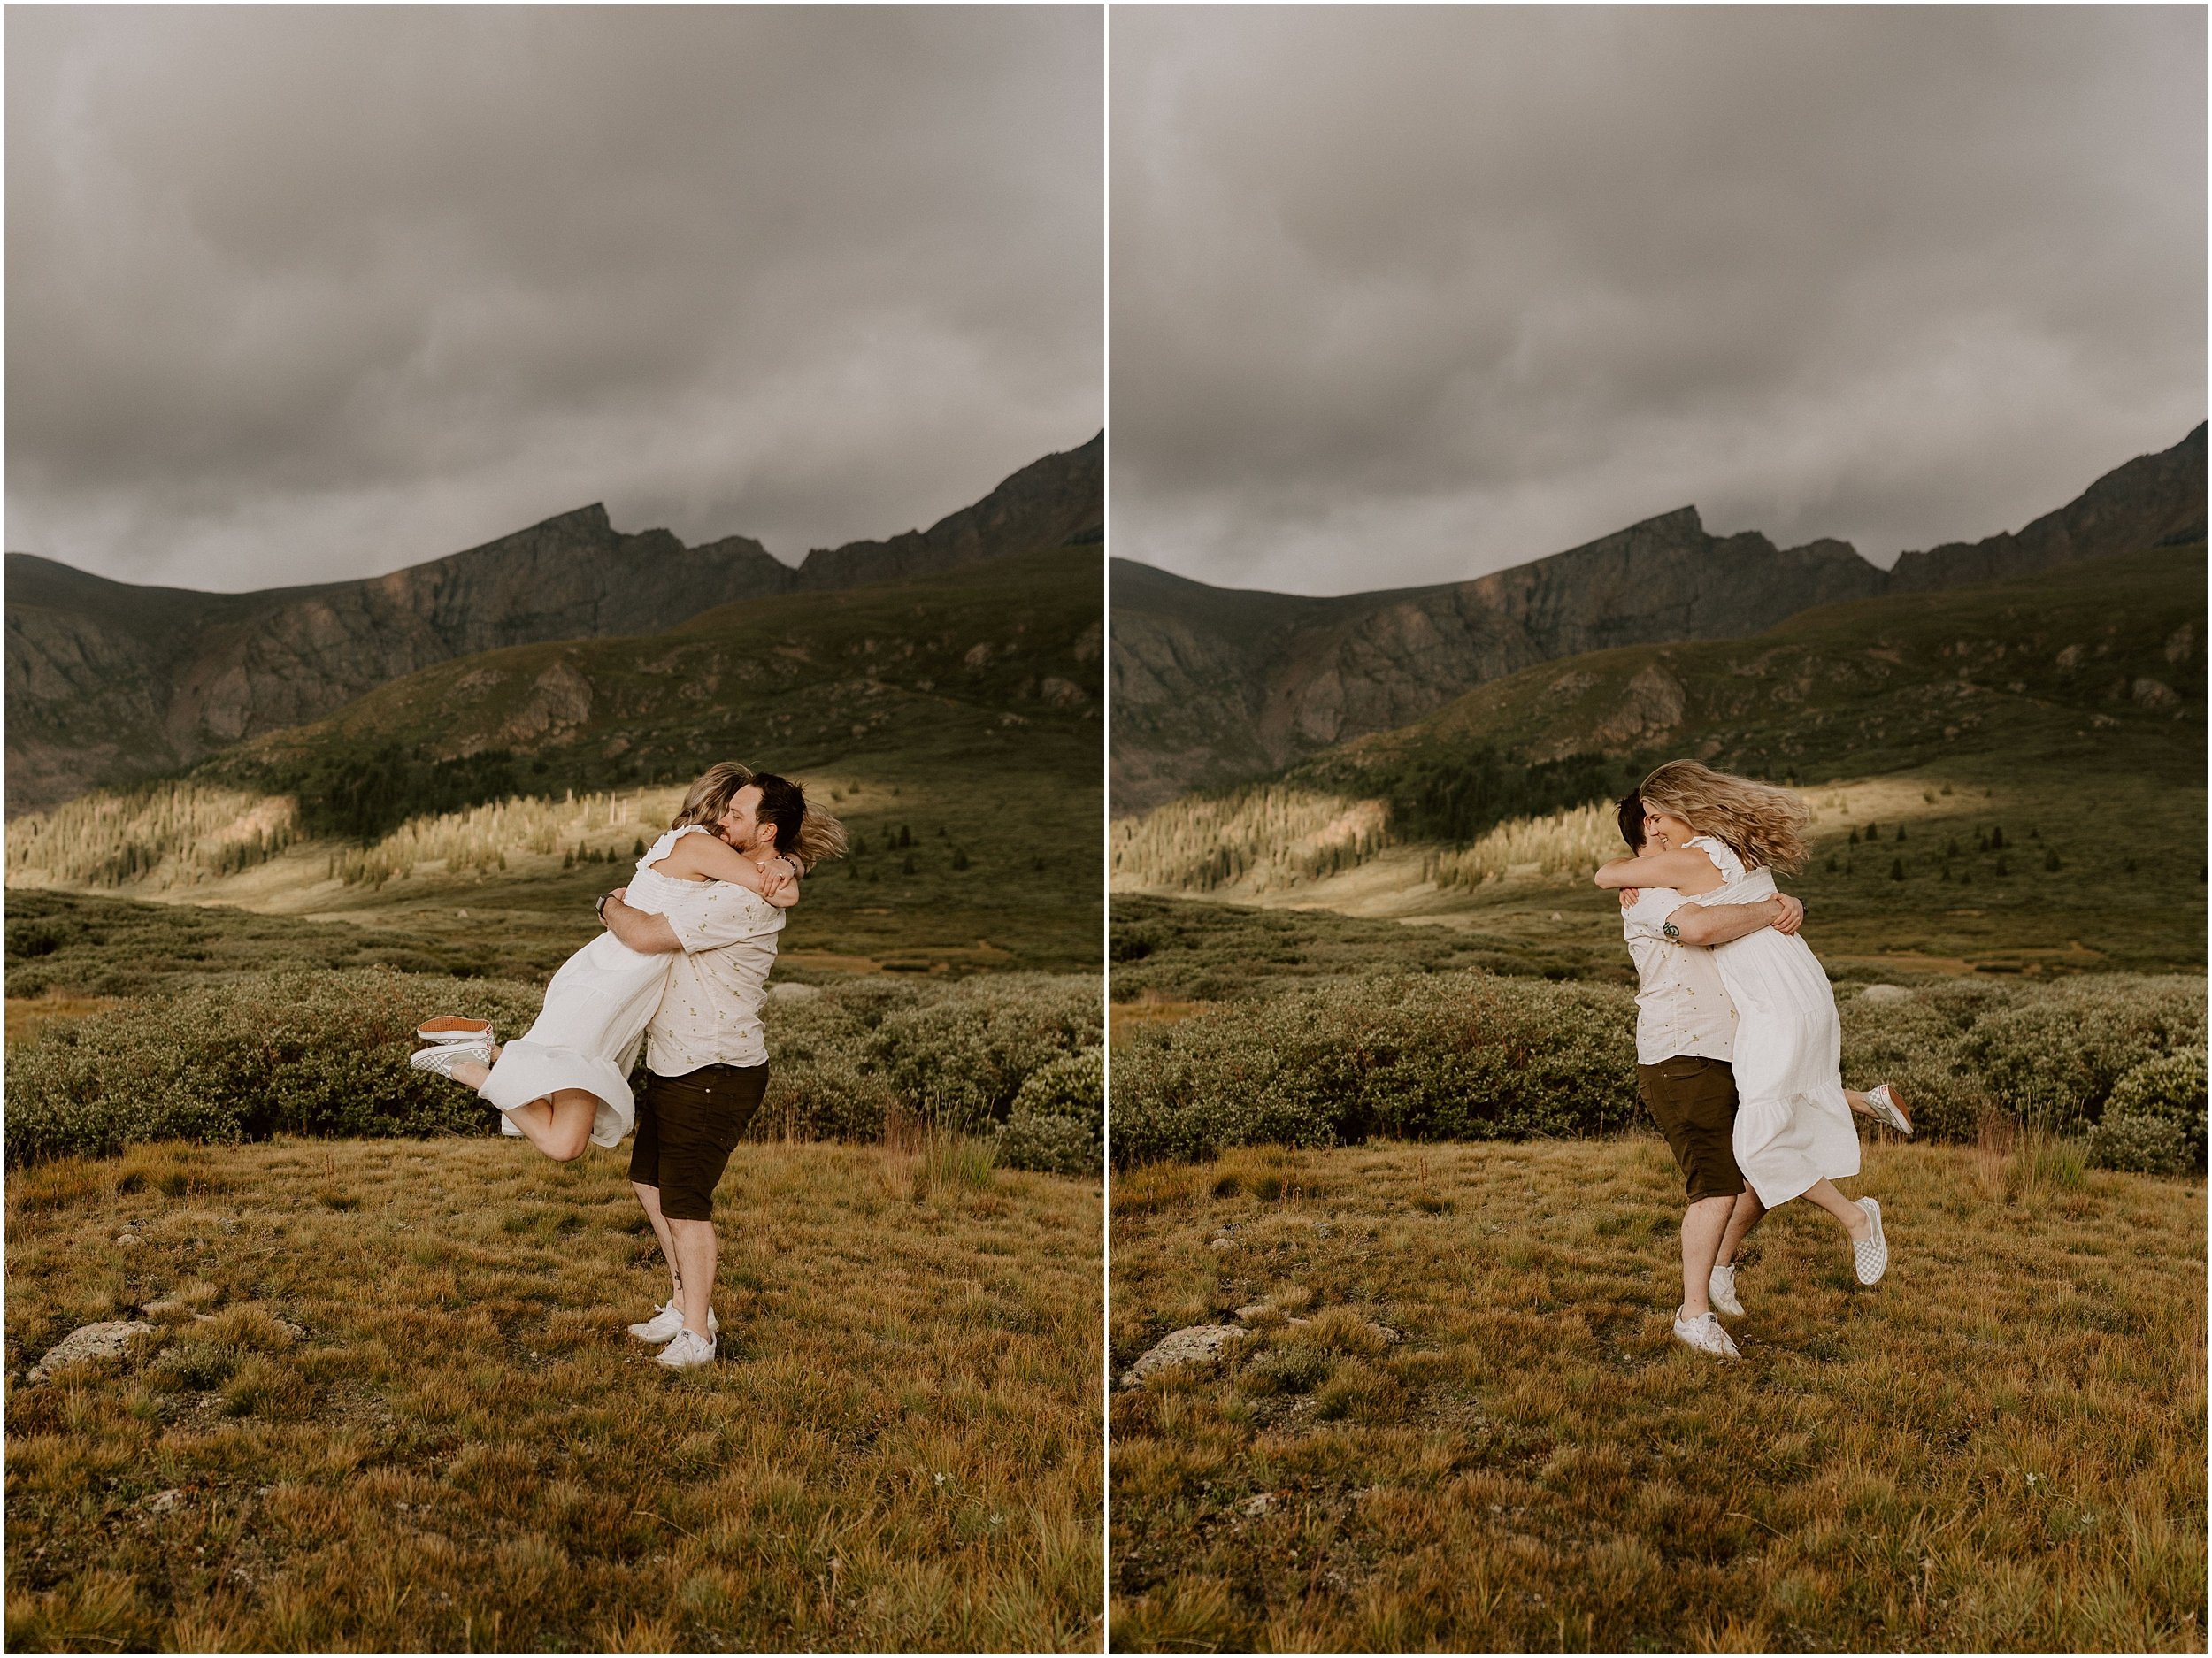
(1764, 825)
(711, 793)
(802, 828)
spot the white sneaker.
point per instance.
(1704, 1333)
(688, 1350)
(449, 1027)
(443, 1059)
(667, 1319)
(1870, 1255)
(1721, 1290)
(1889, 1110)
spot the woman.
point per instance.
(566, 1083)
(1716, 838)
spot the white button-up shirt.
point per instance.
(710, 1013)
(1681, 1007)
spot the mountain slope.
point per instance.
(107, 682)
(1212, 686)
(2003, 778)
(953, 721)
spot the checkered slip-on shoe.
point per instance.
(443, 1059)
(1889, 1109)
(1870, 1255)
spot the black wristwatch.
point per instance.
(599, 908)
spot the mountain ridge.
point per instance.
(1215, 686)
(107, 681)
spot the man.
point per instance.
(708, 1068)
(1684, 1038)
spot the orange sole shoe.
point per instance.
(452, 1028)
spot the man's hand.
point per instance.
(1793, 916)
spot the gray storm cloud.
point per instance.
(296, 294)
(1404, 295)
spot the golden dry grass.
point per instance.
(1999, 1447)
(412, 1419)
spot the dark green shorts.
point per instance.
(686, 1128)
(1693, 1100)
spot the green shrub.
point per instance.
(2054, 1055)
(2046, 1055)
(1436, 1057)
(2154, 1121)
(959, 1058)
(953, 1055)
(1058, 1122)
(1467, 1056)
(296, 1053)
(321, 1053)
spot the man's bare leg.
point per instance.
(648, 1197)
(695, 1268)
(1704, 1223)
(1740, 1221)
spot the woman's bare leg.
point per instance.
(1858, 1103)
(1852, 1217)
(560, 1126)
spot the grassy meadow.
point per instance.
(900, 1449)
(1484, 1436)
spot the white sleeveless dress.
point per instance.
(596, 1008)
(1793, 1126)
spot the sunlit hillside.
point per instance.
(953, 721)
(2008, 779)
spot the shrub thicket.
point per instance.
(326, 1054)
(2154, 1120)
(1058, 1123)
(1437, 1056)
(953, 1055)
(299, 1053)
(1469, 1057)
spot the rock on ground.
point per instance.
(1885, 993)
(105, 1340)
(1199, 1344)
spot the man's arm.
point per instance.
(722, 919)
(647, 934)
(1719, 923)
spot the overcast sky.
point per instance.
(303, 293)
(1404, 296)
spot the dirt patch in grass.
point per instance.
(389, 1403)
(1999, 1447)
